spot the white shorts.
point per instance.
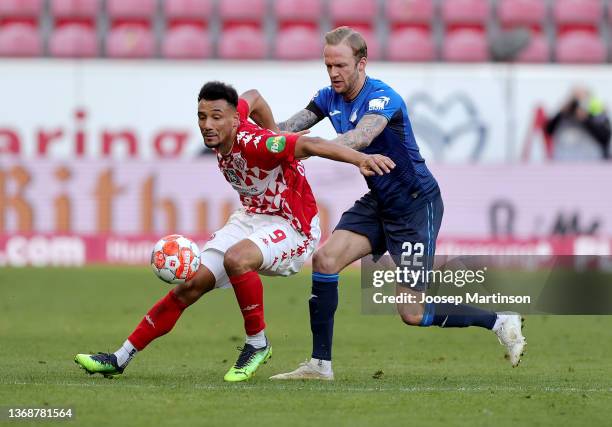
(284, 250)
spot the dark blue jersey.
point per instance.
(399, 191)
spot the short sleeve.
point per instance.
(266, 149)
(385, 103)
(243, 109)
(319, 104)
(281, 147)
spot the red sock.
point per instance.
(249, 293)
(159, 321)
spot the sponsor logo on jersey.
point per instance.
(353, 116)
(232, 177)
(239, 162)
(249, 191)
(276, 144)
(333, 113)
(378, 104)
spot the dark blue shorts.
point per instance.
(410, 239)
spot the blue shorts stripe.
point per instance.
(428, 229)
(433, 236)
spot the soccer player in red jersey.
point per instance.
(273, 233)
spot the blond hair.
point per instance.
(352, 38)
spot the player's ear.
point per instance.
(236, 120)
(361, 65)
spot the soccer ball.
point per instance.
(175, 259)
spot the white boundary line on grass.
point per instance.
(330, 388)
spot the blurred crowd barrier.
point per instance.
(99, 159)
(61, 212)
(73, 110)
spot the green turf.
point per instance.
(386, 373)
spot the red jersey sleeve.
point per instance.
(243, 109)
(265, 148)
(280, 146)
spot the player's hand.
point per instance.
(375, 164)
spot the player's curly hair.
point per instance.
(354, 39)
(215, 90)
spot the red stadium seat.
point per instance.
(538, 50)
(243, 43)
(130, 41)
(410, 12)
(17, 39)
(21, 8)
(580, 47)
(240, 12)
(577, 14)
(465, 13)
(188, 11)
(411, 44)
(514, 13)
(465, 46)
(73, 41)
(351, 12)
(75, 9)
(132, 11)
(186, 42)
(298, 11)
(298, 43)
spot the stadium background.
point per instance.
(100, 155)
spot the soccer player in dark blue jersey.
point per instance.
(401, 213)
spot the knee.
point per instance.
(236, 262)
(324, 262)
(411, 319)
(203, 282)
(411, 314)
(188, 294)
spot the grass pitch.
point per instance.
(387, 373)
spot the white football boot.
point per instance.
(310, 370)
(508, 330)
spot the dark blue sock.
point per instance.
(323, 304)
(448, 315)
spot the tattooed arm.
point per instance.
(302, 120)
(368, 128)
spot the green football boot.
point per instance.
(248, 362)
(101, 363)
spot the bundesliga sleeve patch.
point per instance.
(276, 144)
(378, 104)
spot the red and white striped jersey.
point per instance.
(263, 170)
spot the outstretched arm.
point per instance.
(260, 111)
(302, 120)
(375, 164)
(368, 128)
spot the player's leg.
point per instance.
(342, 249)
(241, 263)
(358, 234)
(411, 239)
(162, 317)
(414, 237)
(158, 321)
(273, 248)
